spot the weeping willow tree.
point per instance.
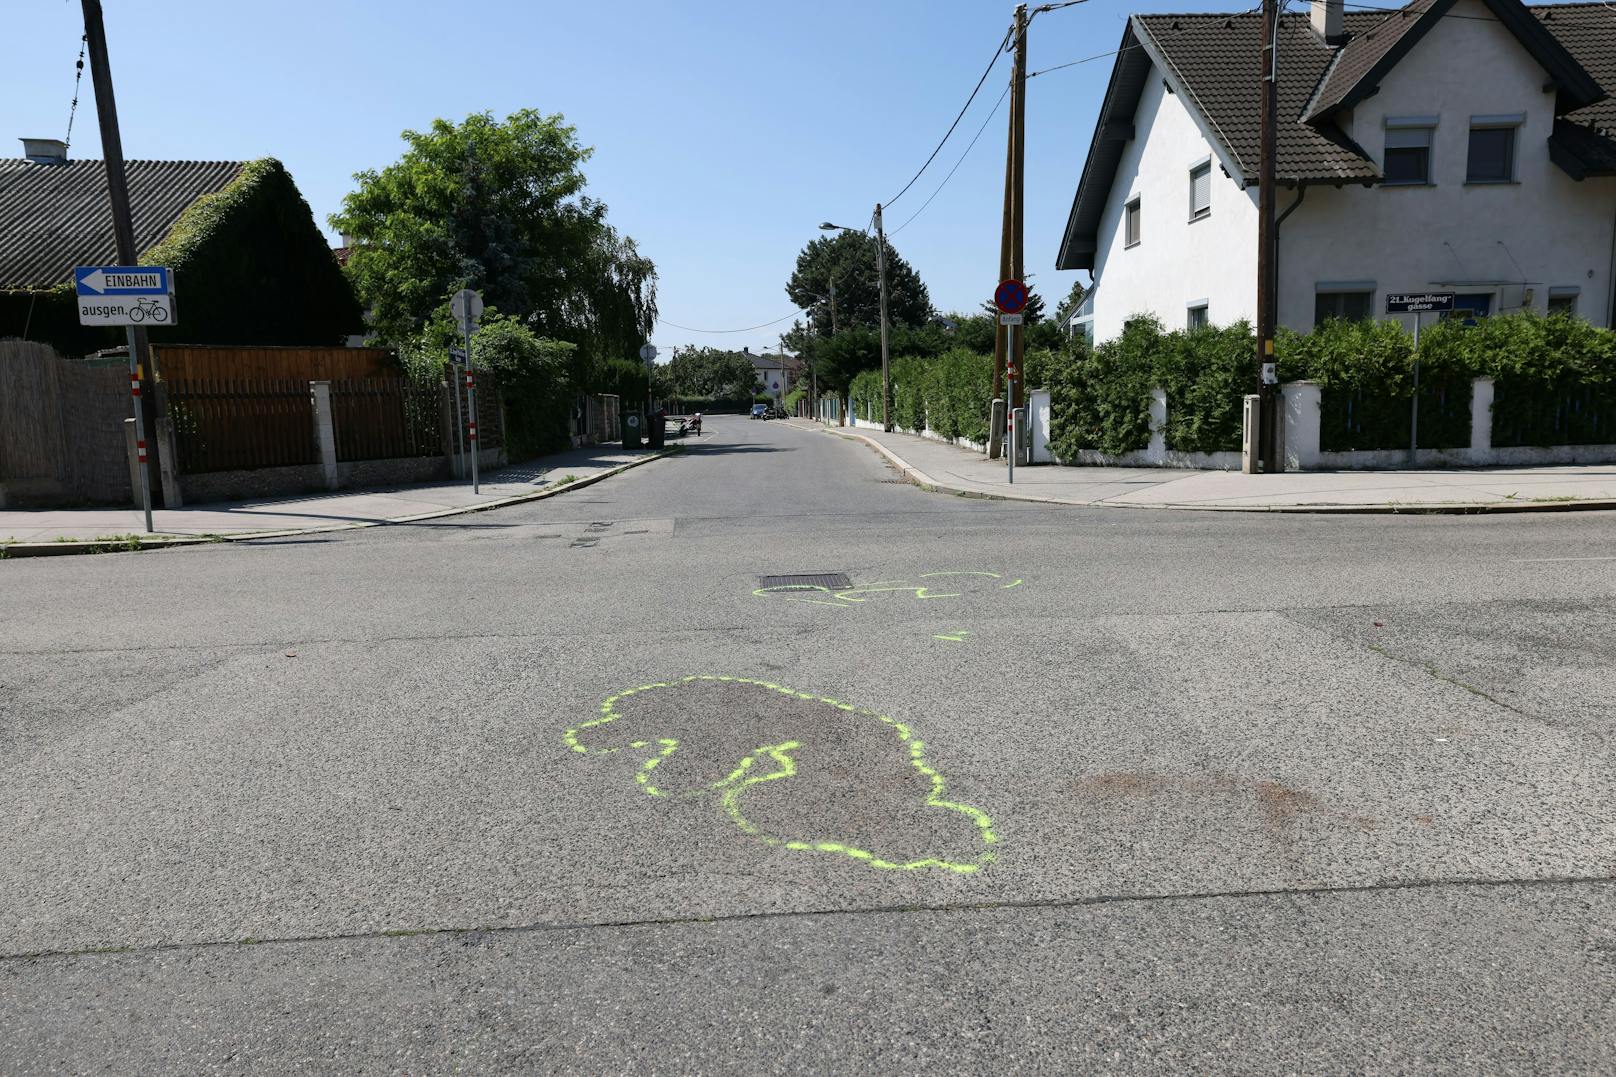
(498, 207)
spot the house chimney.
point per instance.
(1329, 20)
(45, 151)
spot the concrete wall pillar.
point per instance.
(325, 434)
(167, 463)
(1481, 418)
(1156, 452)
(1299, 424)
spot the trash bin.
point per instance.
(656, 428)
(632, 428)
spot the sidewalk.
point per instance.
(59, 530)
(946, 468)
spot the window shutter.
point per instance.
(1201, 189)
(1408, 138)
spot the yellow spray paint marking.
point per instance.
(824, 596)
(774, 762)
(954, 637)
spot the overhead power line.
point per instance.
(997, 52)
(957, 163)
(747, 329)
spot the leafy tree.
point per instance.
(710, 372)
(499, 207)
(1069, 305)
(849, 259)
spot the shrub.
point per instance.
(865, 390)
(959, 394)
(1206, 373)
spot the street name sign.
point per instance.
(457, 356)
(124, 295)
(1419, 302)
(1011, 296)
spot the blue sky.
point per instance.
(723, 133)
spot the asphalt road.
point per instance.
(554, 788)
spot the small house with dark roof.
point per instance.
(1462, 145)
(250, 265)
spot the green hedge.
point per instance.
(1365, 371)
(949, 393)
(713, 405)
(1100, 398)
(1555, 379)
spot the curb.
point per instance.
(60, 549)
(1441, 508)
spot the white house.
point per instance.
(773, 374)
(1461, 145)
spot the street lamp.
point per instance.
(881, 269)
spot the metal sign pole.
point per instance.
(459, 420)
(1414, 412)
(140, 429)
(471, 410)
(1010, 399)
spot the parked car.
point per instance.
(774, 413)
(760, 411)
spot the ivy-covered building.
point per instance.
(250, 265)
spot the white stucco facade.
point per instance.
(1177, 261)
(1514, 242)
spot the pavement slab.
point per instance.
(964, 471)
(318, 511)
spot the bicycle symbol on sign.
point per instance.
(148, 308)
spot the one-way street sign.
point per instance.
(96, 281)
(124, 295)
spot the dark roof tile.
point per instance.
(1205, 53)
(55, 217)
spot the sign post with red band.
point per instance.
(467, 306)
(140, 431)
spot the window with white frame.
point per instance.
(1408, 151)
(1563, 300)
(1201, 191)
(1130, 224)
(1492, 149)
(1195, 315)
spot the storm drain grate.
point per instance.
(830, 581)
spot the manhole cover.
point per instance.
(831, 581)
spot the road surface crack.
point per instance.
(1386, 886)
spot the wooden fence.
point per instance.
(386, 418)
(196, 362)
(61, 428)
(236, 424)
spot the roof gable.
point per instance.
(55, 217)
(1369, 55)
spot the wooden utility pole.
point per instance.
(1267, 256)
(1010, 228)
(123, 226)
(1018, 223)
(886, 369)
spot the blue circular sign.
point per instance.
(1011, 296)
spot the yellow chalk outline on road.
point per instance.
(744, 776)
(856, 594)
